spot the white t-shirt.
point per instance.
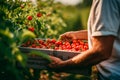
(104, 20)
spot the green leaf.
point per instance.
(6, 33)
(26, 35)
(41, 54)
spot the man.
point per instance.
(103, 39)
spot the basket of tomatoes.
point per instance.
(61, 49)
(57, 48)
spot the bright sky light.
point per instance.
(66, 2)
(69, 2)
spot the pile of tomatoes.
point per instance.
(74, 45)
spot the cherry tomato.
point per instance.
(39, 14)
(29, 17)
(31, 29)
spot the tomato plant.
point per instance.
(45, 19)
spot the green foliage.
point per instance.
(41, 54)
(85, 3)
(84, 14)
(20, 21)
(46, 25)
(9, 52)
(72, 18)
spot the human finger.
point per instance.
(65, 37)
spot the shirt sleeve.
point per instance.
(106, 18)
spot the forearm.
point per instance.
(101, 50)
(87, 58)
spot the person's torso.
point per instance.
(109, 69)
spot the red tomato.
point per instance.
(67, 43)
(58, 43)
(31, 29)
(33, 45)
(85, 47)
(68, 47)
(38, 47)
(81, 43)
(74, 41)
(41, 41)
(56, 48)
(39, 14)
(29, 17)
(48, 40)
(53, 40)
(77, 48)
(75, 45)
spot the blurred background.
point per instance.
(21, 20)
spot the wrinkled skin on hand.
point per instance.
(68, 36)
(56, 62)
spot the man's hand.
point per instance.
(68, 36)
(56, 62)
